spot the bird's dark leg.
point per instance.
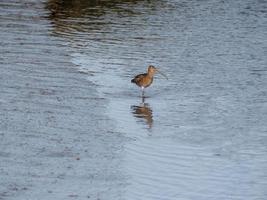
(143, 100)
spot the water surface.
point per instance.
(199, 135)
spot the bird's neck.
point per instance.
(150, 74)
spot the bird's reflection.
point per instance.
(143, 111)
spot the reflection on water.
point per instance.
(78, 8)
(83, 15)
(143, 111)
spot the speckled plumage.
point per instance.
(142, 80)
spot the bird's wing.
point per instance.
(138, 78)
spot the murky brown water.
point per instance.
(72, 126)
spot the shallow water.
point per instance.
(73, 126)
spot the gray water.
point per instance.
(72, 126)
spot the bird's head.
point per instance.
(152, 70)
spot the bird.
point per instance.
(146, 79)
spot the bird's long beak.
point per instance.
(162, 74)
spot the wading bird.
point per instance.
(145, 80)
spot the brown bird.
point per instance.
(145, 80)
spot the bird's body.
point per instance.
(146, 79)
(143, 80)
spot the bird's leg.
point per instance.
(143, 101)
(143, 91)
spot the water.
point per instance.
(73, 126)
